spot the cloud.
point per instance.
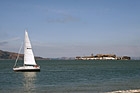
(61, 17)
(4, 42)
(66, 19)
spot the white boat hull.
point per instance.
(27, 68)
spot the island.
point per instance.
(12, 55)
(103, 57)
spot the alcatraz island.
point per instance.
(103, 57)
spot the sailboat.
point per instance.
(29, 60)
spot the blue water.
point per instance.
(73, 76)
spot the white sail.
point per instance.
(28, 53)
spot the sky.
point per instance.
(70, 28)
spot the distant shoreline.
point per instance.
(13, 55)
(5, 55)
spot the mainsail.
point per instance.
(28, 53)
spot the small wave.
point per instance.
(125, 91)
(60, 70)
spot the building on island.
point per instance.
(103, 57)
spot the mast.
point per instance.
(28, 53)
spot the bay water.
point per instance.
(71, 76)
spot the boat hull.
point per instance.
(27, 69)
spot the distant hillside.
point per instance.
(12, 55)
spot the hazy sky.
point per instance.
(69, 28)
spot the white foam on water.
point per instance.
(125, 91)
